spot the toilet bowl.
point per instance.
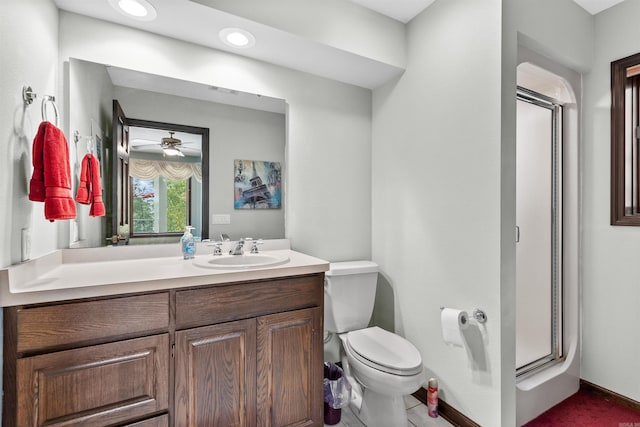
(382, 366)
(387, 367)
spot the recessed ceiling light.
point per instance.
(137, 9)
(237, 37)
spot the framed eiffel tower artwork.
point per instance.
(257, 184)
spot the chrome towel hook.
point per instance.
(28, 95)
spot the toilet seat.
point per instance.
(384, 351)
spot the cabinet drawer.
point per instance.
(62, 325)
(100, 385)
(224, 303)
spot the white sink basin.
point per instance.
(241, 261)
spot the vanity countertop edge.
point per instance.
(51, 278)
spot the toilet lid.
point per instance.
(385, 351)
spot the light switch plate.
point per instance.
(221, 219)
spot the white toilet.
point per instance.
(385, 366)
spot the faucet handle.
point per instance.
(217, 248)
(254, 246)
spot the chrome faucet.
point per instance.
(238, 248)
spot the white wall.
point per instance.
(444, 183)
(327, 206)
(562, 32)
(609, 264)
(611, 289)
(234, 133)
(436, 196)
(441, 237)
(342, 24)
(29, 50)
(29, 57)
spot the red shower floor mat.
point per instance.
(587, 409)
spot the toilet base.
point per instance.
(378, 410)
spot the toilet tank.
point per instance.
(349, 294)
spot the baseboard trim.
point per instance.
(457, 418)
(447, 411)
(610, 395)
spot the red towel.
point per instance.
(51, 179)
(90, 189)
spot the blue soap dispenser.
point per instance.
(188, 243)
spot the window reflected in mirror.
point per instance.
(165, 175)
(160, 206)
(625, 130)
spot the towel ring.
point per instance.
(43, 108)
(28, 96)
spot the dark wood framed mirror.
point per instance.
(149, 181)
(625, 147)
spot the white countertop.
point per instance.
(83, 273)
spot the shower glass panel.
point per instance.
(539, 232)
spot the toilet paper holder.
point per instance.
(477, 314)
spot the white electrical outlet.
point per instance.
(26, 244)
(221, 219)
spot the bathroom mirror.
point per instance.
(625, 158)
(241, 126)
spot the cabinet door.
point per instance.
(215, 368)
(94, 386)
(161, 421)
(290, 369)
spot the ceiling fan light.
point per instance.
(172, 152)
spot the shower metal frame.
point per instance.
(557, 293)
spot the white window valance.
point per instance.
(175, 171)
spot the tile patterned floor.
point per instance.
(416, 411)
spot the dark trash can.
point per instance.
(335, 387)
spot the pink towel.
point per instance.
(51, 179)
(90, 189)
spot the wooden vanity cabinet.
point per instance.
(250, 372)
(244, 354)
(104, 384)
(261, 366)
(290, 369)
(87, 363)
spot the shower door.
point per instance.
(539, 232)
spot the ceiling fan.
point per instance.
(167, 146)
(171, 146)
